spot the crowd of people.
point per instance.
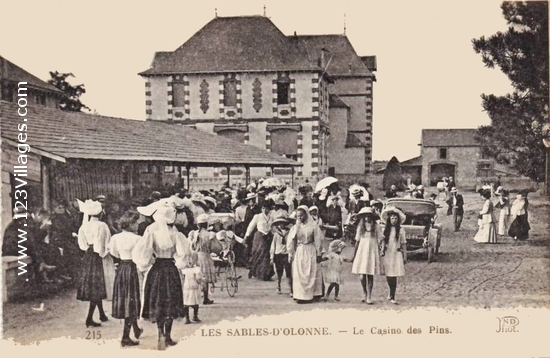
(157, 259)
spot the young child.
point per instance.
(192, 288)
(393, 262)
(332, 267)
(278, 253)
(227, 237)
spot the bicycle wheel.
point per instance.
(231, 282)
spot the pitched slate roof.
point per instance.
(11, 72)
(77, 135)
(413, 162)
(243, 43)
(336, 102)
(254, 43)
(344, 61)
(356, 139)
(449, 138)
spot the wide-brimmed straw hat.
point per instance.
(336, 244)
(454, 190)
(393, 210)
(249, 196)
(202, 218)
(367, 210)
(210, 200)
(282, 219)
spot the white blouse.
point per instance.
(96, 233)
(147, 248)
(121, 245)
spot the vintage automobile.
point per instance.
(423, 234)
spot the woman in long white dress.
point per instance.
(304, 250)
(505, 216)
(366, 259)
(487, 232)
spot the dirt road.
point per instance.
(465, 274)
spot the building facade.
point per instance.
(456, 153)
(16, 83)
(242, 78)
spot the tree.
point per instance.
(71, 98)
(514, 136)
(393, 175)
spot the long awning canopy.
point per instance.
(67, 136)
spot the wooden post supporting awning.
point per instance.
(188, 168)
(46, 202)
(247, 175)
(228, 176)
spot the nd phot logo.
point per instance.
(507, 324)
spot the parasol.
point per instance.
(324, 183)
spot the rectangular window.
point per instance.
(283, 92)
(7, 93)
(442, 153)
(168, 168)
(178, 94)
(41, 99)
(230, 93)
(284, 142)
(484, 169)
(145, 169)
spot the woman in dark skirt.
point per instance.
(93, 238)
(168, 250)
(519, 229)
(126, 292)
(260, 225)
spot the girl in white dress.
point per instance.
(395, 247)
(192, 288)
(332, 267)
(366, 259)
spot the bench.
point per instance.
(14, 285)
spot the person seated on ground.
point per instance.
(18, 229)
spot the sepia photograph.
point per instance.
(250, 178)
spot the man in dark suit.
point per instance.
(457, 203)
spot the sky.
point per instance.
(428, 74)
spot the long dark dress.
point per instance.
(520, 226)
(126, 291)
(260, 266)
(93, 237)
(163, 293)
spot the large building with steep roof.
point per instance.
(14, 80)
(242, 78)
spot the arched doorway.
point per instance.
(441, 170)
